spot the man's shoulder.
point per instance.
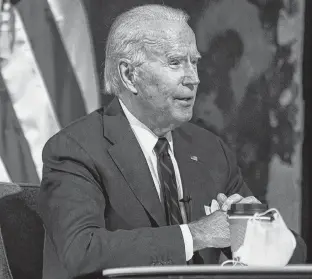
(84, 128)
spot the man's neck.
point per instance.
(158, 129)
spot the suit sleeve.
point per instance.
(72, 205)
(299, 255)
(234, 180)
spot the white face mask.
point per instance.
(266, 243)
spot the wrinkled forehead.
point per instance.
(170, 38)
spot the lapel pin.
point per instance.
(194, 158)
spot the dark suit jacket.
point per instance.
(99, 204)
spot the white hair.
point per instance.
(128, 39)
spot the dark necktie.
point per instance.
(168, 183)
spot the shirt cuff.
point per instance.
(188, 241)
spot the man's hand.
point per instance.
(225, 202)
(211, 231)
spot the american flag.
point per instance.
(48, 79)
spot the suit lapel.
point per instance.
(196, 179)
(130, 160)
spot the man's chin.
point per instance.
(183, 118)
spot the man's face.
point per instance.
(167, 81)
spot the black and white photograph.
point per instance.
(156, 138)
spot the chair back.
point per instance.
(22, 229)
(5, 272)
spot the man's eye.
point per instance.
(174, 62)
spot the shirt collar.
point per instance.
(145, 136)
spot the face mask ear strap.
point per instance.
(268, 211)
(257, 216)
(234, 262)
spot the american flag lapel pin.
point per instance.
(194, 158)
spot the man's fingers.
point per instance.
(250, 199)
(230, 200)
(221, 198)
(226, 202)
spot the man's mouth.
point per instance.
(185, 99)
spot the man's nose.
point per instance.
(191, 76)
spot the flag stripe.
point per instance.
(52, 60)
(26, 87)
(48, 81)
(4, 176)
(72, 22)
(14, 149)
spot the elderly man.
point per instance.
(127, 186)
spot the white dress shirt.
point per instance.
(147, 140)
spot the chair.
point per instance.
(5, 272)
(22, 229)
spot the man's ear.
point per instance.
(126, 73)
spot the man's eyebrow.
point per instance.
(169, 54)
